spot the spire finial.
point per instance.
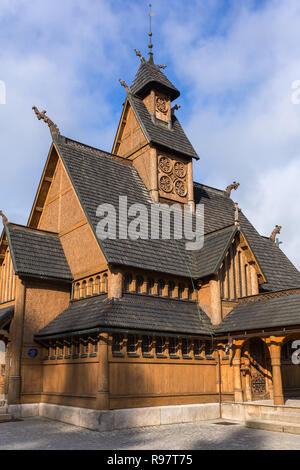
(42, 115)
(150, 46)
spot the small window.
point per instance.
(105, 283)
(97, 285)
(150, 285)
(161, 286)
(180, 291)
(160, 345)
(208, 349)
(131, 344)
(173, 346)
(185, 347)
(76, 348)
(191, 292)
(146, 344)
(197, 347)
(171, 287)
(139, 284)
(117, 344)
(83, 290)
(127, 282)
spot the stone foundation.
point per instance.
(119, 419)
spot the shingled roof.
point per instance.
(99, 178)
(36, 253)
(131, 312)
(270, 313)
(219, 212)
(173, 139)
(150, 76)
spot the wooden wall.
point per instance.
(7, 279)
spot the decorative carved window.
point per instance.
(83, 290)
(131, 344)
(127, 282)
(117, 344)
(160, 345)
(139, 284)
(76, 347)
(95, 343)
(173, 346)
(146, 344)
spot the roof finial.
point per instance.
(4, 218)
(232, 186)
(150, 46)
(275, 232)
(124, 84)
(42, 115)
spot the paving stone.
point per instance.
(41, 433)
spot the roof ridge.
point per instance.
(93, 150)
(201, 185)
(32, 229)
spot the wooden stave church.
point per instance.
(107, 324)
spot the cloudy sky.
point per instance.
(233, 61)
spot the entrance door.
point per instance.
(258, 370)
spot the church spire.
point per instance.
(150, 45)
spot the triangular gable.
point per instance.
(130, 136)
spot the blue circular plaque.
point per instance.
(32, 353)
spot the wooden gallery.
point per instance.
(107, 324)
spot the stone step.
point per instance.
(273, 426)
(5, 417)
(284, 417)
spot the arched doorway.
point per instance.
(290, 372)
(2, 370)
(256, 370)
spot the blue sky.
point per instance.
(233, 61)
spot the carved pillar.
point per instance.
(274, 344)
(216, 306)
(154, 175)
(248, 391)
(14, 380)
(103, 374)
(237, 381)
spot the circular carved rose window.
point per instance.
(179, 169)
(165, 164)
(161, 105)
(165, 184)
(180, 188)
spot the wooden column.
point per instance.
(216, 306)
(274, 344)
(14, 381)
(103, 373)
(154, 175)
(237, 381)
(190, 186)
(253, 279)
